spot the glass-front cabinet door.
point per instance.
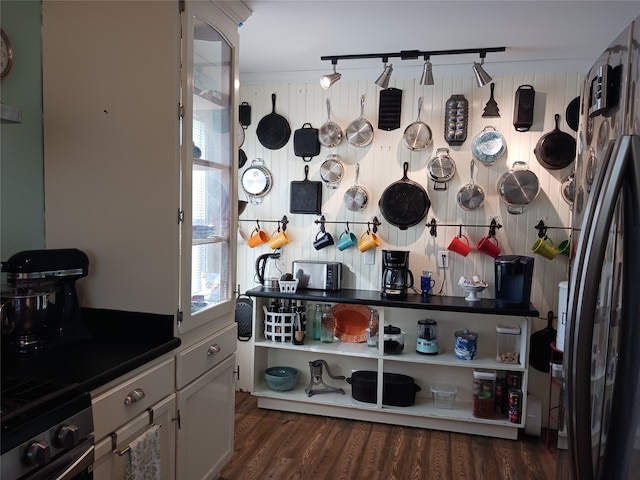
(208, 178)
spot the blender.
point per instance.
(427, 337)
(396, 276)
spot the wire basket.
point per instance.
(288, 286)
(278, 327)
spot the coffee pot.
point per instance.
(396, 276)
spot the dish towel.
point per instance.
(144, 456)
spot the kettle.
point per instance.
(270, 281)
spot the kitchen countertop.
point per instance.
(412, 300)
(114, 343)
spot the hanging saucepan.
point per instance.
(488, 145)
(441, 169)
(256, 181)
(555, 149)
(330, 134)
(417, 136)
(356, 197)
(567, 189)
(518, 187)
(273, 130)
(360, 131)
(331, 171)
(404, 203)
(470, 196)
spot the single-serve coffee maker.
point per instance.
(40, 304)
(396, 276)
(514, 274)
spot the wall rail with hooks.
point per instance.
(433, 227)
(282, 223)
(542, 229)
(372, 224)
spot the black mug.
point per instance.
(323, 239)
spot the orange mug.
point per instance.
(459, 246)
(489, 245)
(258, 237)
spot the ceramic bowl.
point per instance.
(281, 378)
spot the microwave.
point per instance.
(317, 275)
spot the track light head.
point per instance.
(427, 73)
(383, 79)
(482, 77)
(327, 80)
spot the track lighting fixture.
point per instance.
(482, 77)
(427, 73)
(383, 79)
(327, 80)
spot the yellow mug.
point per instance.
(278, 239)
(368, 240)
(258, 237)
(544, 247)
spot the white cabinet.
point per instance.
(205, 406)
(444, 368)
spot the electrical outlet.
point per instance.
(443, 259)
(370, 256)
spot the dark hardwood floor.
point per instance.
(280, 445)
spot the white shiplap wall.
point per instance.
(381, 164)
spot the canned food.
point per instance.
(515, 405)
(466, 344)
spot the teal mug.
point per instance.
(346, 240)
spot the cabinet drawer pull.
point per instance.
(134, 396)
(213, 349)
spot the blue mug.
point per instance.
(346, 240)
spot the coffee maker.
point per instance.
(40, 306)
(396, 276)
(513, 277)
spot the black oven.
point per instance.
(47, 430)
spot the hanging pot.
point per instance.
(356, 197)
(305, 142)
(470, 196)
(332, 171)
(273, 130)
(360, 131)
(518, 187)
(555, 149)
(256, 181)
(540, 346)
(488, 146)
(240, 135)
(404, 203)
(441, 169)
(417, 136)
(330, 134)
(567, 189)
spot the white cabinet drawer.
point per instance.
(117, 406)
(204, 355)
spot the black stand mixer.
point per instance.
(40, 306)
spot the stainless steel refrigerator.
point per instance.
(602, 341)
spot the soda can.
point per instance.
(515, 405)
(501, 396)
(514, 380)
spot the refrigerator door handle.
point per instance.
(585, 282)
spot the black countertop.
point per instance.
(412, 300)
(111, 344)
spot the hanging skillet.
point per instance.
(356, 197)
(555, 149)
(417, 136)
(330, 134)
(273, 130)
(470, 196)
(360, 131)
(404, 203)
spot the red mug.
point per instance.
(460, 246)
(489, 245)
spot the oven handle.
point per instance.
(70, 464)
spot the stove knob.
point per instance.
(67, 436)
(38, 454)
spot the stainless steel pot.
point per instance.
(29, 320)
(256, 181)
(518, 187)
(488, 146)
(441, 169)
(332, 171)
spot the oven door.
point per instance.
(76, 464)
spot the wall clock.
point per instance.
(6, 55)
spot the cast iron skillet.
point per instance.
(273, 130)
(555, 149)
(404, 203)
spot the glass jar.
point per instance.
(316, 327)
(508, 349)
(484, 386)
(328, 325)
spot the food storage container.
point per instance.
(393, 340)
(444, 396)
(466, 346)
(484, 386)
(397, 390)
(508, 345)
